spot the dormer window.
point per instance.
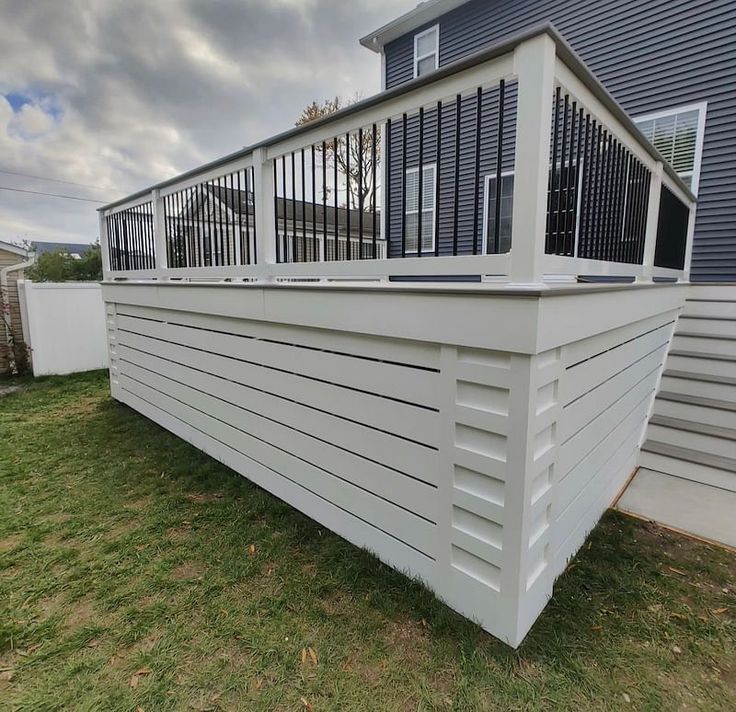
(426, 51)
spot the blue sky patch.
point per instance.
(45, 101)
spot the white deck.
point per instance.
(468, 437)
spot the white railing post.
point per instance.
(534, 65)
(689, 244)
(159, 234)
(650, 236)
(104, 246)
(263, 169)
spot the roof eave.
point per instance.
(420, 15)
(15, 249)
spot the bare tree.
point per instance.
(354, 156)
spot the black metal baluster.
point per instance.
(292, 247)
(611, 198)
(374, 192)
(305, 257)
(360, 194)
(200, 224)
(476, 184)
(347, 196)
(563, 148)
(324, 200)
(314, 209)
(176, 229)
(217, 218)
(280, 239)
(599, 193)
(578, 181)
(621, 212)
(242, 200)
(499, 169)
(549, 247)
(571, 177)
(335, 250)
(420, 183)
(403, 187)
(456, 197)
(251, 189)
(643, 209)
(138, 238)
(387, 190)
(222, 216)
(186, 250)
(437, 174)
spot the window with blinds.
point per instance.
(414, 215)
(677, 135)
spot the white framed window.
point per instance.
(677, 134)
(413, 215)
(502, 243)
(426, 51)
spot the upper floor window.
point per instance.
(678, 135)
(426, 51)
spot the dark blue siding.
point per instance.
(487, 165)
(651, 56)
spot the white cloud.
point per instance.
(31, 121)
(132, 91)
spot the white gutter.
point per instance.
(7, 316)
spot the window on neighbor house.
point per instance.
(678, 135)
(426, 51)
(413, 215)
(498, 244)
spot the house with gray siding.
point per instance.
(671, 64)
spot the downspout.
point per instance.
(7, 317)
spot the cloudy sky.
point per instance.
(109, 96)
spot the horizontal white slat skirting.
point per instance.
(477, 462)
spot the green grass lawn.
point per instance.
(139, 574)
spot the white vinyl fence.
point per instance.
(63, 326)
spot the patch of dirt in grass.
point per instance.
(187, 571)
(80, 614)
(235, 657)
(56, 518)
(120, 529)
(137, 505)
(204, 497)
(369, 672)
(9, 542)
(336, 603)
(122, 656)
(81, 407)
(179, 534)
(50, 605)
(408, 639)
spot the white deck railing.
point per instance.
(593, 171)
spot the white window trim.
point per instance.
(435, 51)
(419, 211)
(702, 109)
(486, 203)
